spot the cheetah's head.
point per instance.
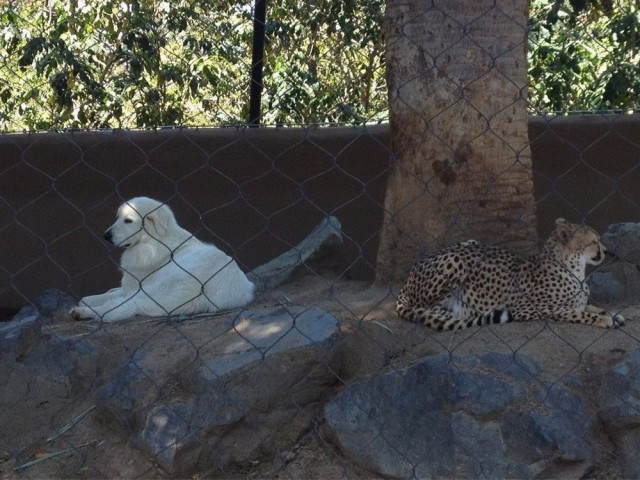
(578, 240)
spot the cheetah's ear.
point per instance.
(563, 229)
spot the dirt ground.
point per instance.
(373, 340)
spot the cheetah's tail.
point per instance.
(496, 315)
(440, 319)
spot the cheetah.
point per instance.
(469, 284)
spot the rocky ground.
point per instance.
(317, 379)
(271, 417)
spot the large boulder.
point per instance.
(20, 335)
(43, 376)
(192, 393)
(620, 411)
(463, 417)
(623, 239)
(619, 279)
(319, 251)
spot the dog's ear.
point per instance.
(160, 221)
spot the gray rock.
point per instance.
(59, 366)
(177, 433)
(619, 279)
(179, 405)
(53, 305)
(71, 363)
(605, 286)
(52, 368)
(619, 399)
(127, 392)
(169, 428)
(623, 239)
(24, 312)
(462, 417)
(325, 237)
(260, 335)
(628, 446)
(21, 334)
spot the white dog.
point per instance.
(165, 269)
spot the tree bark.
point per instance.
(457, 76)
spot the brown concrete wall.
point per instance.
(257, 192)
(587, 169)
(253, 192)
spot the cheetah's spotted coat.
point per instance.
(469, 284)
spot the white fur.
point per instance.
(165, 269)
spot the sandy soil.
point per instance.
(373, 340)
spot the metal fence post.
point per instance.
(259, 19)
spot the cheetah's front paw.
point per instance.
(618, 320)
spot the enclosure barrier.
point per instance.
(317, 377)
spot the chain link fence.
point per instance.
(114, 64)
(316, 377)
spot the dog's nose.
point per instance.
(108, 237)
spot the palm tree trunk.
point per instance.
(457, 76)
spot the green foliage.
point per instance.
(142, 63)
(584, 55)
(325, 63)
(151, 63)
(108, 63)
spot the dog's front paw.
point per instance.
(82, 313)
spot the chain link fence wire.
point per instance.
(114, 64)
(252, 392)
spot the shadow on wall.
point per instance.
(255, 193)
